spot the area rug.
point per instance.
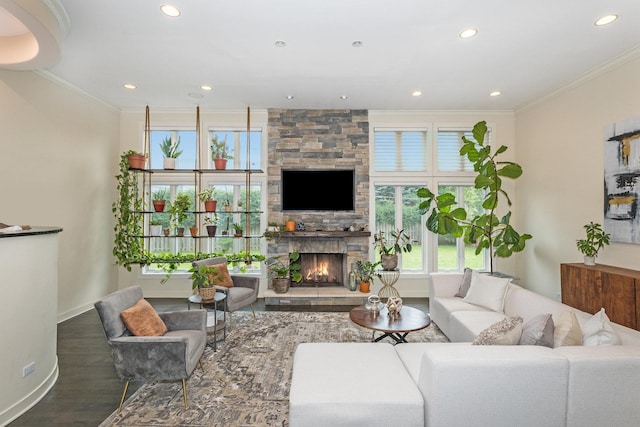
(246, 382)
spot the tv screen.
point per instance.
(318, 190)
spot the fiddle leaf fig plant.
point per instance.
(487, 230)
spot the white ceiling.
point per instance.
(526, 49)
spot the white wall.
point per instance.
(561, 149)
(59, 151)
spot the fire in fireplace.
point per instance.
(321, 269)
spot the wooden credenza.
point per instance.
(591, 287)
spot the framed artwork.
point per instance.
(621, 174)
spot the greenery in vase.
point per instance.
(487, 230)
(206, 194)
(219, 148)
(398, 242)
(280, 270)
(596, 240)
(127, 246)
(169, 149)
(204, 276)
(366, 270)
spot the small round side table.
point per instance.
(388, 279)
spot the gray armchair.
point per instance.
(172, 356)
(243, 293)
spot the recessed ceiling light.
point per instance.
(495, 93)
(170, 10)
(607, 19)
(468, 33)
(206, 87)
(357, 43)
(416, 93)
(280, 43)
(129, 86)
(343, 97)
(289, 96)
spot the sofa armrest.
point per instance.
(185, 320)
(245, 281)
(145, 358)
(444, 284)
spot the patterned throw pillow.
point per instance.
(505, 332)
(142, 320)
(538, 331)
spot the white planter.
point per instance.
(169, 163)
(589, 260)
(156, 230)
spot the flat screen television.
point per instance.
(318, 189)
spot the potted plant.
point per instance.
(205, 278)
(156, 228)
(127, 247)
(160, 199)
(211, 223)
(390, 246)
(178, 211)
(282, 274)
(227, 205)
(219, 153)
(366, 271)
(170, 151)
(596, 240)
(484, 230)
(193, 230)
(206, 197)
(238, 229)
(135, 159)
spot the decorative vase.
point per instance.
(281, 285)
(389, 262)
(193, 231)
(207, 293)
(290, 225)
(589, 260)
(211, 230)
(169, 163)
(136, 161)
(220, 164)
(365, 287)
(158, 205)
(210, 205)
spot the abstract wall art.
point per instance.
(621, 176)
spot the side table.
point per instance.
(214, 325)
(389, 279)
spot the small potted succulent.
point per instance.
(282, 274)
(238, 230)
(219, 153)
(596, 239)
(170, 151)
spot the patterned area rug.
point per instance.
(246, 382)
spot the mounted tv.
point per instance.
(318, 189)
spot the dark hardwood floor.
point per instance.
(87, 390)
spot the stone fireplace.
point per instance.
(320, 139)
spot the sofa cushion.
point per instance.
(465, 326)
(487, 291)
(567, 330)
(465, 283)
(599, 331)
(141, 319)
(441, 308)
(505, 332)
(538, 331)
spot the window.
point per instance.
(187, 144)
(401, 150)
(237, 148)
(448, 146)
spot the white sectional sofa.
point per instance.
(460, 384)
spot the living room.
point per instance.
(73, 141)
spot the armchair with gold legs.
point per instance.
(171, 355)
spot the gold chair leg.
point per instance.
(201, 366)
(124, 393)
(184, 391)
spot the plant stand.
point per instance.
(389, 278)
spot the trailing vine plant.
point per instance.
(485, 231)
(127, 245)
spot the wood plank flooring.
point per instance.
(88, 389)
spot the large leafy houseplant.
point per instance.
(127, 210)
(486, 230)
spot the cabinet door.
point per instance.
(581, 288)
(618, 298)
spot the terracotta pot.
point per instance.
(193, 231)
(158, 205)
(281, 285)
(365, 287)
(165, 232)
(136, 161)
(220, 164)
(290, 225)
(227, 208)
(210, 205)
(237, 234)
(211, 230)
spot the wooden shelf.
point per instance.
(324, 234)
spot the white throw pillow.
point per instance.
(505, 332)
(599, 331)
(487, 291)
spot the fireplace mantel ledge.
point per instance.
(323, 234)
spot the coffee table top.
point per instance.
(410, 319)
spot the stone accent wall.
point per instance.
(319, 139)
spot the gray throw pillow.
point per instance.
(464, 283)
(538, 331)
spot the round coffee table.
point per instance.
(409, 320)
